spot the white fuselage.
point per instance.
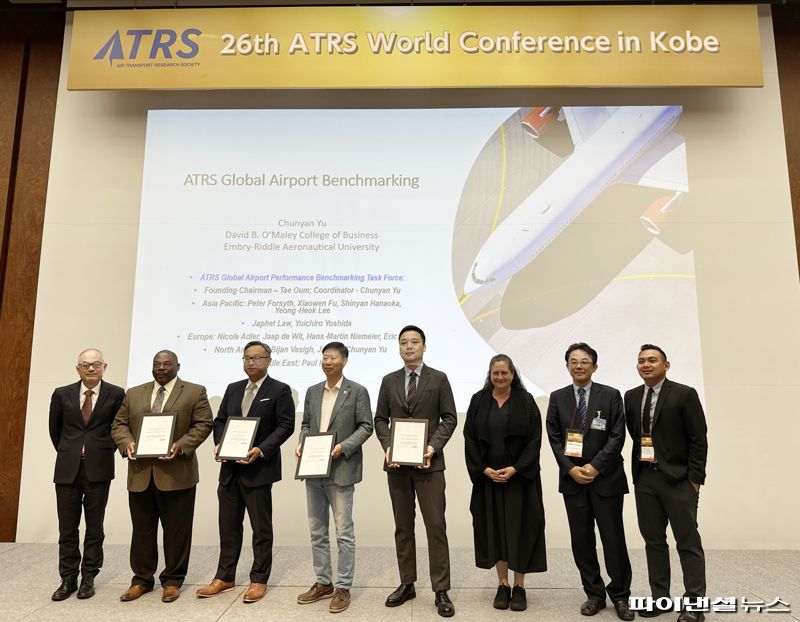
(595, 164)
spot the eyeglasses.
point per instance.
(93, 365)
(254, 359)
(584, 362)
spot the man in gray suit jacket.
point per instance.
(341, 407)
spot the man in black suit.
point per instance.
(420, 392)
(668, 428)
(247, 484)
(80, 428)
(586, 428)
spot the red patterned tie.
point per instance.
(86, 409)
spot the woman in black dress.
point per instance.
(502, 437)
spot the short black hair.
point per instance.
(339, 347)
(650, 346)
(581, 345)
(405, 329)
(250, 344)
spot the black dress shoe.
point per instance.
(518, 600)
(592, 606)
(649, 613)
(67, 587)
(403, 593)
(503, 597)
(691, 616)
(623, 610)
(444, 606)
(86, 590)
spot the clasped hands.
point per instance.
(500, 476)
(584, 474)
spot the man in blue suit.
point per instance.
(339, 406)
(247, 484)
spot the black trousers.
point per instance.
(658, 502)
(91, 497)
(428, 486)
(234, 498)
(175, 510)
(584, 509)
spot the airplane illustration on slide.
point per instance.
(611, 145)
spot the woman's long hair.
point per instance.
(516, 381)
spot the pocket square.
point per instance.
(266, 399)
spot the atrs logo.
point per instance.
(162, 40)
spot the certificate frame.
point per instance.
(325, 441)
(236, 429)
(155, 424)
(418, 428)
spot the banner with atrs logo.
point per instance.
(416, 47)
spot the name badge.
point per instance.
(574, 446)
(598, 423)
(648, 452)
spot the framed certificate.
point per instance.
(315, 456)
(237, 438)
(409, 441)
(155, 435)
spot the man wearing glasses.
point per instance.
(80, 428)
(247, 484)
(586, 428)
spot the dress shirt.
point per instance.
(653, 400)
(95, 395)
(329, 396)
(167, 390)
(408, 371)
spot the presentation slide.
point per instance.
(495, 230)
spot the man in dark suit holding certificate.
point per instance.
(247, 484)
(419, 392)
(341, 407)
(668, 428)
(586, 428)
(162, 489)
(80, 428)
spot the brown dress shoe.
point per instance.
(134, 592)
(317, 592)
(254, 592)
(341, 600)
(170, 593)
(217, 586)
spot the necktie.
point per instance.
(158, 403)
(247, 402)
(86, 409)
(412, 386)
(582, 410)
(646, 412)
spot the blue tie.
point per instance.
(582, 410)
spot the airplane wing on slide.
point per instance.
(584, 121)
(661, 166)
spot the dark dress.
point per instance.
(507, 519)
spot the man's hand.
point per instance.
(580, 475)
(297, 454)
(696, 486)
(390, 464)
(426, 458)
(252, 456)
(174, 450)
(130, 449)
(216, 454)
(337, 451)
